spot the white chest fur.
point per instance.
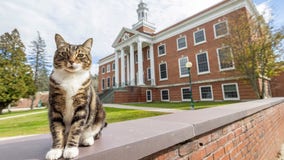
(71, 83)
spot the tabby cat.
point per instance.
(76, 115)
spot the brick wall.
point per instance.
(257, 137)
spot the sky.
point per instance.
(78, 20)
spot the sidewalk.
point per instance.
(142, 108)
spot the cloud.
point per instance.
(77, 20)
(265, 10)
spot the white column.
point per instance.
(127, 69)
(140, 63)
(122, 69)
(152, 66)
(116, 69)
(132, 66)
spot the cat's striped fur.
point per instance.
(76, 115)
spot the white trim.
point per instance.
(182, 76)
(150, 95)
(219, 62)
(164, 79)
(237, 89)
(200, 93)
(203, 18)
(184, 100)
(214, 28)
(160, 55)
(206, 72)
(161, 95)
(204, 34)
(185, 39)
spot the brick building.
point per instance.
(151, 66)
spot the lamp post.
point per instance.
(188, 65)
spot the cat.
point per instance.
(76, 115)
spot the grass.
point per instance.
(181, 105)
(38, 123)
(15, 113)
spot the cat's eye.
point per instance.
(63, 54)
(80, 55)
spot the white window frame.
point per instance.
(204, 34)
(148, 54)
(181, 76)
(185, 39)
(113, 68)
(214, 28)
(113, 81)
(200, 93)
(103, 70)
(162, 95)
(136, 58)
(108, 86)
(160, 55)
(201, 73)
(219, 61)
(181, 90)
(148, 73)
(237, 88)
(103, 84)
(164, 79)
(108, 68)
(150, 95)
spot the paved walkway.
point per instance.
(142, 108)
(22, 115)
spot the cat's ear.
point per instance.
(88, 44)
(59, 40)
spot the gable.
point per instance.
(124, 35)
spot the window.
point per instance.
(199, 37)
(165, 95)
(108, 82)
(181, 43)
(183, 71)
(202, 63)
(103, 70)
(148, 73)
(113, 81)
(185, 94)
(163, 71)
(113, 66)
(230, 91)
(220, 29)
(108, 68)
(148, 96)
(148, 54)
(206, 93)
(225, 58)
(161, 50)
(103, 84)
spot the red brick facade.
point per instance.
(215, 78)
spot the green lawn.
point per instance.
(38, 123)
(14, 113)
(181, 105)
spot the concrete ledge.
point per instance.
(139, 138)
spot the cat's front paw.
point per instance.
(88, 141)
(71, 152)
(54, 154)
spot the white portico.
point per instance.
(128, 49)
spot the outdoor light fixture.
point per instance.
(188, 65)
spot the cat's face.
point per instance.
(72, 58)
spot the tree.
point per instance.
(255, 47)
(15, 75)
(39, 63)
